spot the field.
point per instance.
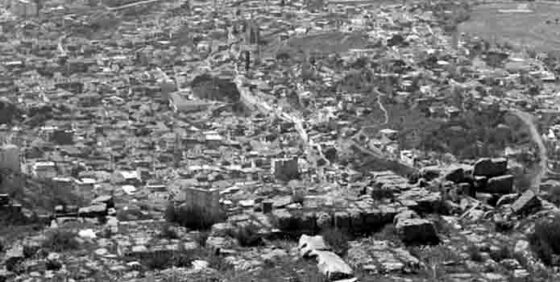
(536, 30)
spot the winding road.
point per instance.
(527, 119)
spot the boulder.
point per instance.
(507, 199)
(285, 220)
(527, 203)
(324, 220)
(500, 184)
(407, 214)
(455, 174)
(342, 220)
(308, 245)
(490, 167)
(416, 231)
(332, 266)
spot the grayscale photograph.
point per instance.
(279, 140)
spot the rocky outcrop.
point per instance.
(490, 167)
(527, 203)
(308, 245)
(414, 230)
(332, 266)
(380, 257)
(500, 184)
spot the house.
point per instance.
(9, 157)
(285, 168)
(44, 170)
(126, 177)
(179, 104)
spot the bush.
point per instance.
(192, 218)
(545, 239)
(201, 238)
(337, 239)
(474, 253)
(298, 197)
(61, 240)
(503, 253)
(247, 235)
(168, 232)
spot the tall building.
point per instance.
(24, 8)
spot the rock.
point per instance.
(271, 256)
(455, 174)
(324, 220)
(342, 220)
(510, 264)
(96, 210)
(218, 243)
(430, 172)
(491, 276)
(308, 245)
(507, 199)
(520, 274)
(416, 231)
(521, 247)
(332, 266)
(528, 202)
(199, 264)
(407, 214)
(500, 184)
(281, 201)
(285, 220)
(490, 167)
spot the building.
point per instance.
(44, 170)
(9, 157)
(204, 199)
(179, 104)
(285, 168)
(24, 8)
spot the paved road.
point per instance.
(528, 120)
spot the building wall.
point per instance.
(285, 169)
(9, 158)
(208, 200)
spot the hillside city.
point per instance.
(278, 140)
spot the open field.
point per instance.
(523, 29)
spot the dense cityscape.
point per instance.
(279, 140)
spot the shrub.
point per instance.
(503, 253)
(298, 197)
(247, 235)
(337, 239)
(61, 240)
(201, 238)
(168, 232)
(474, 253)
(192, 218)
(545, 239)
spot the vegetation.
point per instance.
(545, 239)
(504, 252)
(192, 218)
(61, 240)
(168, 232)
(247, 235)
(184, 258)
(337, 239)
(474, 253)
